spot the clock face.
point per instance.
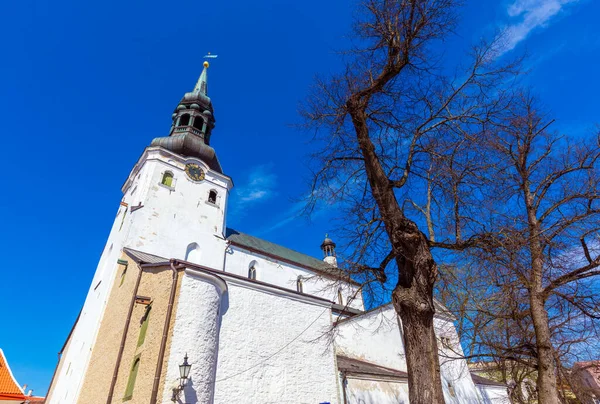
(194, 172)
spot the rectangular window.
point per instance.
(125, 264)
(132, 375)
(144, 327)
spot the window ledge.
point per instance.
(166, 186)
(211, 204)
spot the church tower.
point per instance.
(174, 205)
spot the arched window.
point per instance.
(299, 284)
(192, 253)
(212, 196)
(340, 297)
(167, 179)
(252, 271)
(184, 120)
(198, 122)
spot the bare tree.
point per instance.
(541, 247)
(380, 126)
(497, 333)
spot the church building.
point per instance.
(183, 309)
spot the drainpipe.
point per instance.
(344, 384)
(227, 244)
(163, 342)
(124, 337)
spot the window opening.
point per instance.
(340, 297)
(123, 220)
(198, 123)
(212, 197)
(184, 120)
(132, 376)
(125, 264)
(299, 284)
(252, 273)
(144, 327)
(192, 253)
(451, 390)
(167, 179)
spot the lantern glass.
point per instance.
(184, 368)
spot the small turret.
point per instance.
(328, 247)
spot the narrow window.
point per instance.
(184, 120)
(167, 179)
(198, 123)
(252, 273)
(131, 380)
(212, 197)
(144, 327)
(124, 263)
(299, 284)
(192, 253)
(123, 220)
(340, 298)
(451, 390)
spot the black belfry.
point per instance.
(193, 122)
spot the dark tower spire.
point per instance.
(193, 122)
(328, 247)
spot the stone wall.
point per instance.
(96, 382)
(156, 284)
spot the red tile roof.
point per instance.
(8, 384)
(9, 388)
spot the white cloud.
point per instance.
(526, 16)
(260, 186)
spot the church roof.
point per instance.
(486, 382)
(277, 251)
(357, 367)
(8, 384)
(9, 388)
(145, 258)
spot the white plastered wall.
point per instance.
(168, 222)
(493, 394)
(365, 391)
(456, 378)
(376, 337)
(372, 337)
(196, 334)
(270, 350)
(285, 275)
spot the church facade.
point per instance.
(176, 287)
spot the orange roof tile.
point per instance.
(8, 384)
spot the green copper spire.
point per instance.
(201, 85)
(192, 126)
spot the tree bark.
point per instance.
(546, 379)
(417, 272)
(422, 358)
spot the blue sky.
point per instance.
(87, 85)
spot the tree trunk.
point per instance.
(420, 347)
(417, 272)
(546, 379)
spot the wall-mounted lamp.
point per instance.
(184, 372)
